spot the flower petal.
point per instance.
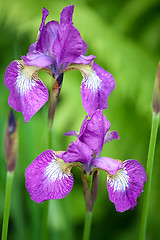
(72, 133)
(110, 136)
(94, 130)
(48, 36)
(96, 87)
(38, 60)
(84, 47)
(27, 92)
(126, 185)
(78, 152)
(48, 177)
(45, 13)
(85, 60)
(68, 45)
(66, 15)
(108, 164)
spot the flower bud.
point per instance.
(156, 93)
(11, 143)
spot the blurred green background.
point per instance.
(125, 37)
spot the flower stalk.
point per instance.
(87, 226)
(90, 189)
(11, 145)
(9, 180)
(152, 144)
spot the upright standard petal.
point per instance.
(45, 13)
(66, 15)
(27, 92)
(67, 46)
(78, 152)
(48, 177)
(48, 36)
(126, 185)
(94, 131)
(96, 87)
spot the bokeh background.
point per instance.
(125, 37)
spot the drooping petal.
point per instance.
(38, 60)
(48, 177)
(108, 164)
(66, 15)
(68, 45)
(96, 87)
(94, 131)
(27, 92)
(126, 185)
(78, 152)
(110, 136)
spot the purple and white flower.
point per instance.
(49, 175)
(59, 48)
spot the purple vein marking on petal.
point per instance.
(96, 87)
(48, 177)
(126, 185)
(27, 92)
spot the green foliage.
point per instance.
(125, 36)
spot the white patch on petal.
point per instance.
(120, 180)
(91, 80)
(25, 80)
(57, 169)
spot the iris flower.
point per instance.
(59, 48)
(49, 175)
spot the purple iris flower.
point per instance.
(49, 175)
(59, 48)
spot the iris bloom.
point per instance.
(49, 175)
(59, 48)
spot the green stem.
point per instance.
(89, 179)
(149, 168)
(45, 221)
(87, 226)
(9, 180)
